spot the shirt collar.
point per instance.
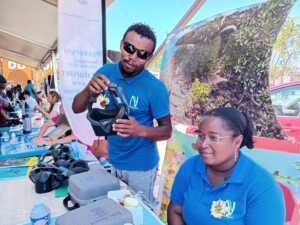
(128, 79)
(238, 172)
(201, 169)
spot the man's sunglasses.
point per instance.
(131, 49)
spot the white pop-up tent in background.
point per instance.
(80, 49)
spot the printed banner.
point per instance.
(80, 53)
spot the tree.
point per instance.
(230, 53)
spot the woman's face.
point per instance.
(216, 143)
(51, 99)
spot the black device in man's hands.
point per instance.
(102, 119)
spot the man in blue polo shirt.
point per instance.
(133, 152)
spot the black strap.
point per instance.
(66, 201)
(46, 178)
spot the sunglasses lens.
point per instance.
(142, 54)
(131, 49)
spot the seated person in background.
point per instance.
(54, 100)
(5, 119)
(3, 95)
(41, 100)
(221, 185)
(3, 84)
(61, 134)
(30, 102)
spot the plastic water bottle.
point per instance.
(133, 205)
(13, 138)
(40, 214)
(5, 137)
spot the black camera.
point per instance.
(102, 119)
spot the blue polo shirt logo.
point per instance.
(222, 209)
(134, 101)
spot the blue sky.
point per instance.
(162, 16)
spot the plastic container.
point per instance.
(40, 214)
(134, 206)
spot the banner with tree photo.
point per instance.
(232, 59)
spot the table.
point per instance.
(20, 145)
(17, 192)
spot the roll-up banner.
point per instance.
(81, 43)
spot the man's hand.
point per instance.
(128, 127)
(97, 84)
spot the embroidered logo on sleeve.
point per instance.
(222, 209)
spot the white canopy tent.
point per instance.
(28, 30)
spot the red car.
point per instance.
(286, 103)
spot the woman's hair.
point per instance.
(237, 121)
(57, 99)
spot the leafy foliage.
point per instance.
(231, 54)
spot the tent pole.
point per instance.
(103, 7)
(1, 66)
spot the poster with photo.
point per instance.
(234, 59)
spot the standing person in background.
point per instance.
(221, 185)
(17, 92)
(29, 87)
(49, 84)
(133, 151)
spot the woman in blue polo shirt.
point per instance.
(222, 185)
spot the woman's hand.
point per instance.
(42, 141)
